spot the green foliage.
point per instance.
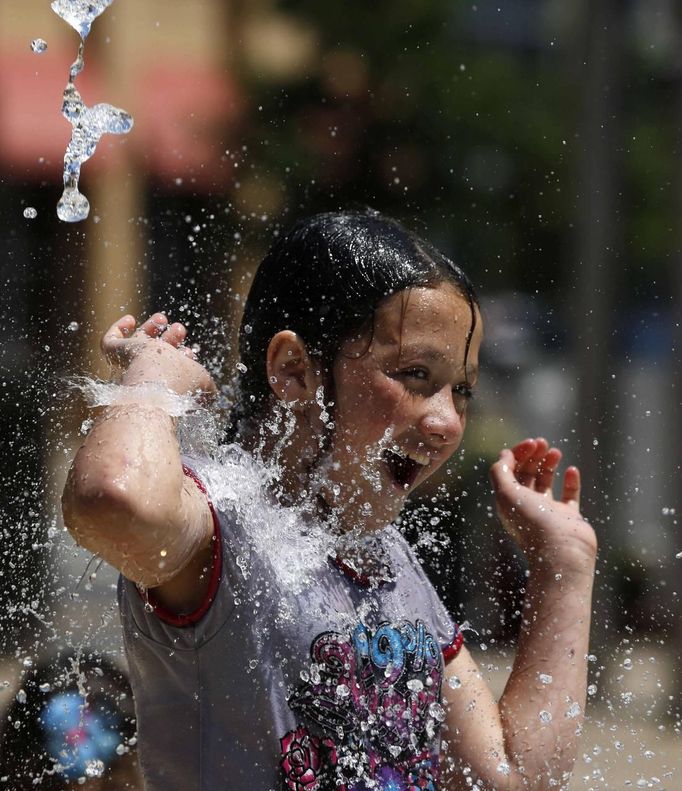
(476, 144)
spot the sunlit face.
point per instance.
(400, 402)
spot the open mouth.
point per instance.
(402, 469)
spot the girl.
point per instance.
(280, 633)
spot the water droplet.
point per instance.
(30, 213)
(120, 749)
(21, 696)
(73, 206)
(94, 768)
(241, 368)
(436, 711)
(592, 689)
(415, 685)
(27, 662)
(573, 711)
(73, 326)
(39, 45)
(595, 442)
(545, 716)
(45, 687)
(627, 663)
(504, 768)
(454, 682)
(342, 691)
(545, 678)
(80, 14)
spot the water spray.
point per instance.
(88, 123)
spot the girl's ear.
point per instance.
(292, 375)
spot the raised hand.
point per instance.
(548, 529)
(121, 341)
(154, 352)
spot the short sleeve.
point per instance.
(448, 633)
(142, 614)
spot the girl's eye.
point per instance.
(463, 390)
(416, 373)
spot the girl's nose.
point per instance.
(441, 423)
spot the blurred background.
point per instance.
(537, 142)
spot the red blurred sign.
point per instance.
(183, 114)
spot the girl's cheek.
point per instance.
(390, 402)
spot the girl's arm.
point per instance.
(530, 738)
(126, 497)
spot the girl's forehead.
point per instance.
(427, 313)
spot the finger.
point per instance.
(523, 450)
(188, 351)
(155, 325)
(502, 471)
(527, 470)
(118, 332)
(546, 470)
(175, 334)
(571, 489)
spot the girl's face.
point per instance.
(400, 400)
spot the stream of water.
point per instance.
(88, 123)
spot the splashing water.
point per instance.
(89, 123)
(237, 482)
(80, 14)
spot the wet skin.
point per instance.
(401, 385)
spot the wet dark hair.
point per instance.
(323, 280)
(35, 727)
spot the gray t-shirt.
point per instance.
(296, 673)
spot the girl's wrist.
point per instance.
(564, 561)
(163, 366)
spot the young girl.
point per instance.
(280, 633)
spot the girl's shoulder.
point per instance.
(230, 477)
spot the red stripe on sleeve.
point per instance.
(175, 619)
(450, 651)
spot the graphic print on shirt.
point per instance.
(370, 711)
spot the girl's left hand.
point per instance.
(548, 529)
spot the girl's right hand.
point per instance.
(154, 352)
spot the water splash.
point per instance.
(88, 123)
(98, 394)
(80, 14)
